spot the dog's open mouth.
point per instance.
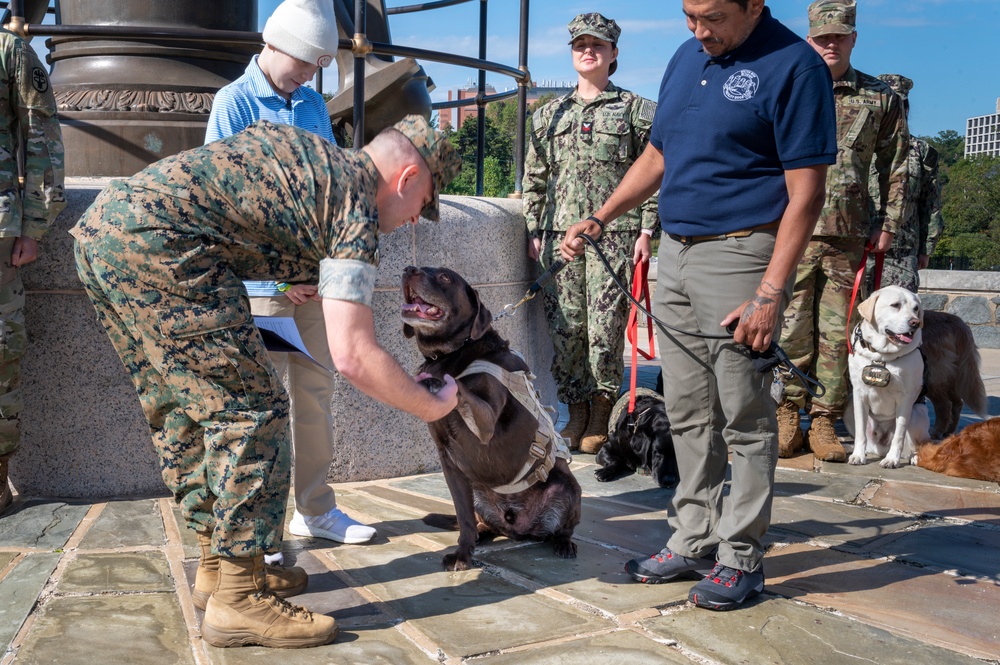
(416, 307)
(902, 338)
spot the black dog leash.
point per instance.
(774, 359)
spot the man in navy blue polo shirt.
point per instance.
(743, 133)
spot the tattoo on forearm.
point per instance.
(767, 287)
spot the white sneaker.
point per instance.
(276, 559)
(334, 525)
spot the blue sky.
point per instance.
(948, 47)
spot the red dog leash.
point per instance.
(640, 289)
(858, 278)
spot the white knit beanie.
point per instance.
(304, 29)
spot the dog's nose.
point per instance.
(410, 270)
(914, 324)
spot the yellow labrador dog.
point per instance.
(887, 376)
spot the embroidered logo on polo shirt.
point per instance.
(741, 86)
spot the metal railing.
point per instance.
(360, 46)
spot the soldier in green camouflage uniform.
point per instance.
(871, 132)
(163, 256)
(29, 129)
(921, 217)
(580, 146)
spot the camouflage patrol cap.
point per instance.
(832, 17)
(442, 159)
(596, 25)
(899, 83)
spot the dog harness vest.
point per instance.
(547, 444)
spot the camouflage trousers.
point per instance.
(587, 314)
(814, 334)
(217, 411)
(13, 341)
(899, 270)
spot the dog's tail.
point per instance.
(441, 521)
(970, 383)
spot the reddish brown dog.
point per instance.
(486, 444)
(972, 453)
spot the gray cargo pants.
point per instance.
(715, 399)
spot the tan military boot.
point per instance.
(5, 494)
(282, 581)
(597, 428)
(579, 413)
(823, 439)
(243, 611)
(789, 431)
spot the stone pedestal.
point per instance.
(125, 103)
(83, 434)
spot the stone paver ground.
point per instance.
(864, 565)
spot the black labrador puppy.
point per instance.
(639, 442)
(506, 468)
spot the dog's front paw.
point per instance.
(889, 463)
(565, 549)
(858, 460)
(456, 562)
(607, 473)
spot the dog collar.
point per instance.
(859, 339)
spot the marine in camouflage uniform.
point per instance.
(578, 151)
(29, 131)
(163, 256)
(871, 133)
(922, 222)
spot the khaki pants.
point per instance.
(715, 400)
(311, 390)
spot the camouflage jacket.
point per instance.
(28, 127)
(270, 202)
(578, 152)
(922, 222)
(871, 131)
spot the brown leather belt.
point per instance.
(690, 240)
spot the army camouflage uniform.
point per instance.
(578, 152)
(29, 129)
(921, 216)
(871, 132)
(163, 256)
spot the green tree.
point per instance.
(498, 163)
(971, 209)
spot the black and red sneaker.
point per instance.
(666, 565)
(727, 588)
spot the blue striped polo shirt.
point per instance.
(251, 98)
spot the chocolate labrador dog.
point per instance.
(506, 468)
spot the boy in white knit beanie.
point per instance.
(299, 37)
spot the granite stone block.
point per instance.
(779, 631)
(934, 301)
(20, 589)
(126, 524)
(117, 572)
(141, 629)
(973, 310)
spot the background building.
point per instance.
(981, 135)
(454, 118)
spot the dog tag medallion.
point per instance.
(778, 387)
(876, 375)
